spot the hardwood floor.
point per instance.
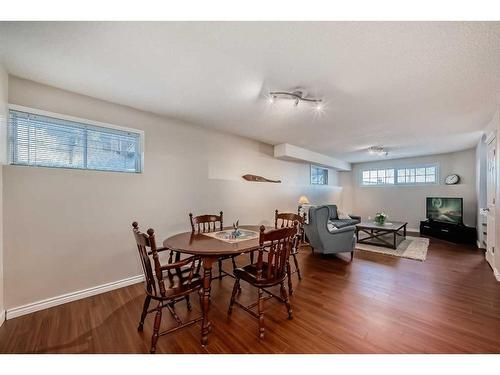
(377, 304)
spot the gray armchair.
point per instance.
(326, 241)
(341, 223)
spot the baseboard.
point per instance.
(413, 230)
(70, 297)
(2, 317)
(497, 274)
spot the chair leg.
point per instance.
(289, 272)
(251, 257)
(233, 296)
(284, 295)
(156, 328)
(234, 262)
(144, 313)
(220, 269)
(352, 255)
(297, 265)
(188, 303)
(260, 306)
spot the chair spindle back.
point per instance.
(206, 223)
(286, 219)
(276, 245)
(153, 271)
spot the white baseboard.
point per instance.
(497, 274)
(2, 317)
(69, 297)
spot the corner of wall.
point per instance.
(4, 86)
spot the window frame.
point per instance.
(395, 169)
(60, 116)
(415, 167)
(378, 170)
(312, 166)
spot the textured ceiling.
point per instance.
(414, 87)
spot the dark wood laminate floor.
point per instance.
(378, 304)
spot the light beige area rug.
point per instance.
(411, 248)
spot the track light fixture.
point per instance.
(297, 96)
(377, 150)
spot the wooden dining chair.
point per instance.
(212, 223)
(286, 219)
(165, 284)
(270, 270)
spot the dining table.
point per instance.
(209, 249)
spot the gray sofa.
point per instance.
(327, 241)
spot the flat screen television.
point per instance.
(447, 210)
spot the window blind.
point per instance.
(45, 141)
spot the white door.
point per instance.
(490, 200)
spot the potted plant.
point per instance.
(380, 218)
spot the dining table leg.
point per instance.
(207, 278)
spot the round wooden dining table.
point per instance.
(210, 249)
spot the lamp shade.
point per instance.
(303, 200)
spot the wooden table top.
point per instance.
(200, 244)
(390, 225)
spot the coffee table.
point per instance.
(375, 233)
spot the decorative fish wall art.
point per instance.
(254, 178)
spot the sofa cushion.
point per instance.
(344, 223)
(333, 215)
(342, 215)
(331, 226)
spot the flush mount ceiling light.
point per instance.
(297, 95)
(377, 150)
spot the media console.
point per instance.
(447, 231)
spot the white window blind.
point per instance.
(45, 141)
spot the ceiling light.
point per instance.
(377, 150)
(297, 96)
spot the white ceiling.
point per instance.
(414, 87)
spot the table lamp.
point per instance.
(303, 200)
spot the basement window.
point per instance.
(415, 175)
(319, 176)
(59, 141)
(420, 175)
(378, 177)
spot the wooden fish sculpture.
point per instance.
(254, 178)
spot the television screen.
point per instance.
(448, 210)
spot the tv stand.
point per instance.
(458, 233)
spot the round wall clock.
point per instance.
(452, 179)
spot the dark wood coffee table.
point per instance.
(375, 233)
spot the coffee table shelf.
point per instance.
(377, 234)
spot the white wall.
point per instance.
(408, 202)
(496, 261)
(481, 151)
(4, 79)
(71, 229)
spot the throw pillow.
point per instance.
(343, 215)
(331, 227)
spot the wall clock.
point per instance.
(452, 179)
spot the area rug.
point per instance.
(411, 248)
